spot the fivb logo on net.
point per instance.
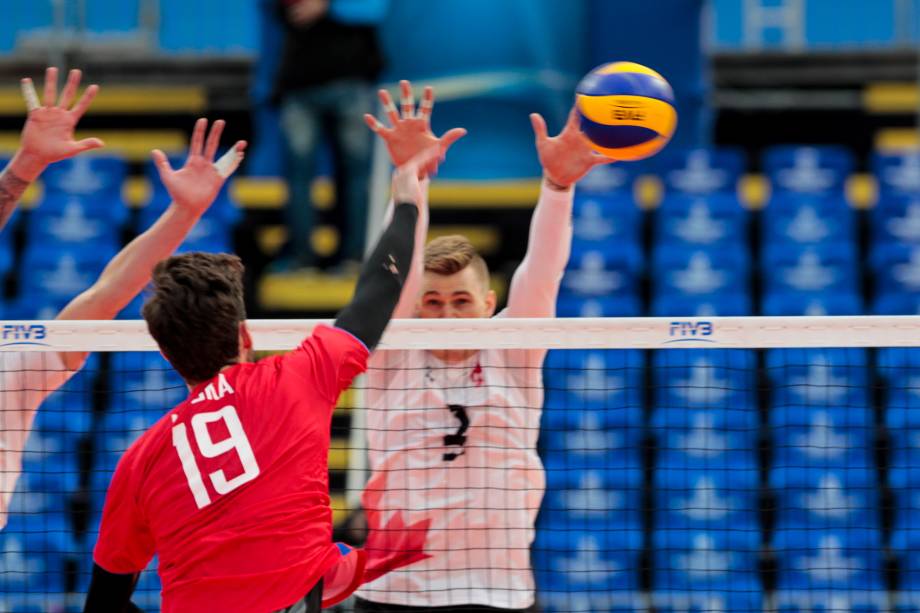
(23, 334)
(691, 331)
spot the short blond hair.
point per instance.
(448, 255)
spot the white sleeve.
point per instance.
(535, 284)
(26, 379)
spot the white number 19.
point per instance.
(209, 449)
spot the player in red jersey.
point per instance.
(28, 377)
(230, 488)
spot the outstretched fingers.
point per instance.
(388, 106)
(539, 126)
(85, 100)
(214, 140)
(70, 89)
(374, 124)
(196, 147)
(162, 163)
(427, 103)
(89, 143)
(451, 136)
(572, 123)
(51, 75)
(30, 95)
(407, 99)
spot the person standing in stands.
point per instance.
(330, 60)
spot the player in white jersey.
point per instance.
(452, 435)
(27, 378)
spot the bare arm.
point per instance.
(408, 136)
(11, 190)
(47, 137)
(535, 284)
(565, 158)
(413, 285)
(193, 189)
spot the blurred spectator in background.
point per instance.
(330, 62)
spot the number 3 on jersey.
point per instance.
(210, 449)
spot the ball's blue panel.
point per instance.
(626, 84)
(614, 137)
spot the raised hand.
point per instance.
(410, 132)
(565, 158)
(195, 186)
(48, 135)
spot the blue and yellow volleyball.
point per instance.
(626, 110)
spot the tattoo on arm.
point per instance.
(11, 190)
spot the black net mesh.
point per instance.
(675, 480)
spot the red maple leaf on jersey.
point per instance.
(394, 545)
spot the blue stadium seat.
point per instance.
(33, 552)
(68, 412)
(74, 219)
(896, 268)
(832, 437)
(818, 377)
(816, 269)
(707, 497)
(44, 489)
(602, 269)
(822, 497)
(701, 171)
(144, 380)
(814, 559)
(783, 304)
(701, 378)
(810, 223)
(897, 366)
(682, 271)
(705, 564)
(606, 217)
(60, 272)
(700, 436)
(595, 499)
(591, 436)
(896, 304)
(598, 306)
(35, 306)
(897, 173)
(595, 561)
(744, 596)
(86, 176)
(608, 179)
(711, 221)
(896, 218)
(905, 544)
(133, 310)
(213, 232)
(6, 252)
(712, 305)
(809, 170)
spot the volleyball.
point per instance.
(626, 110)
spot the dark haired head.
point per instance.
(195, 312)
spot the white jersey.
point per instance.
(26, 379)
(455, 445)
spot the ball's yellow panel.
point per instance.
(639, 111)
(636, 152)
(627, 67)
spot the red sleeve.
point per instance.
(125, 544)
(331, 358)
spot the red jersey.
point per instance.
(231, 487)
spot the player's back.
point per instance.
(231, 487)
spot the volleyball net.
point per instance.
(725, 464)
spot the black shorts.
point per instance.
(311, 603)
(366, 606)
